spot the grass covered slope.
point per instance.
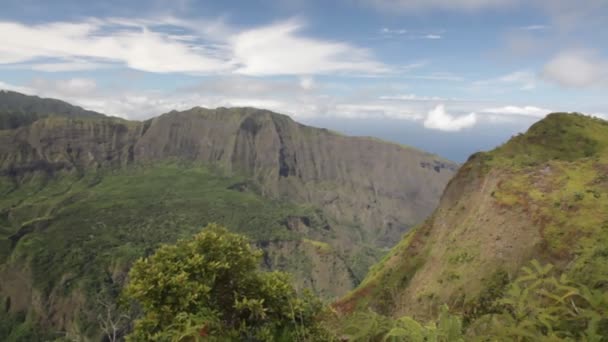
(542, 195)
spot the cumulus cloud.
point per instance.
(189, 47)
(439, 119)
(578, 68)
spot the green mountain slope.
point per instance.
(82, 196)
(19, 110)
(542, 195)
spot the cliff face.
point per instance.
(540, 196)
(382, 187)
(83, 195)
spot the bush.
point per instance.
(210, 287)
(538, 306)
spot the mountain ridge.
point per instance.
(539, 196)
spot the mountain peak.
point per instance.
(559, 136)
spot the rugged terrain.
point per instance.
(543, 195)
(84, 194)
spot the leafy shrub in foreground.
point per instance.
(210, 288)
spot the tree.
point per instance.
(112, 322)
(210, 287)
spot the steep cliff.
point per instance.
(382, 187)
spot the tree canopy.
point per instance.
(211, 287)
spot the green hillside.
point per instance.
(542, 195)
(78, 236)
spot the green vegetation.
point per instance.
(539, 196)
(209, 288)
(540, 305)
(19, 328)
(369, 326)
(79, 234)
(543, 306)
(17, 110)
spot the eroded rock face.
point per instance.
(383, 188)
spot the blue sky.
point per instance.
(448, 76)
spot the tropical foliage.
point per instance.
(210, 287)
(540, 306)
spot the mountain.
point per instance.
(540, 196)
(83, 195)
(19, 110)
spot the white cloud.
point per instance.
(411, 97)
(515, 110)
(19, 89)
(66, 88)
(411, 34)
(523, 80)
(437, 76)
(568, 14)
(189, 47)
(535, 27)
(579, 68)
(307, 82)
(140, 48)
(387, 30)
(277, 49)
(373, 110)
(600, 115)
(526, 79)
(439, 119)
(64, 65)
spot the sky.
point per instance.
(448, 76)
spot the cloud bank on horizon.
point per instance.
(447, 65)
